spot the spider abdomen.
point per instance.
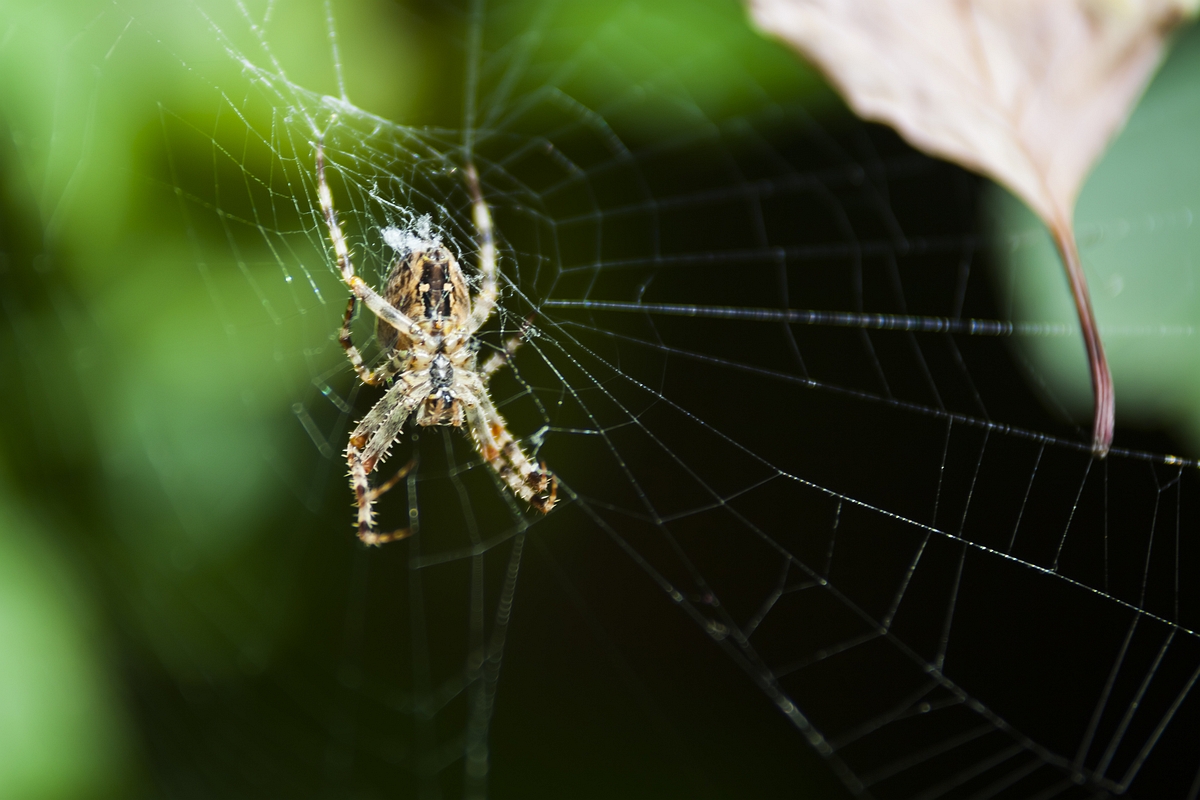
(429, 287)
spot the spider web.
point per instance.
(814, 533)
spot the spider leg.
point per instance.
(386, 486)
(368, 446)
(484, 302)
(533, 484)
(365, 497)
(498, 359)
(380, 307)
(373, 378)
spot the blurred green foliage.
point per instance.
(61, 732)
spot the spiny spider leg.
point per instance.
(533, 484)
(380, 307)
(368, 445)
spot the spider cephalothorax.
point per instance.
(427, 285)
(426, 324)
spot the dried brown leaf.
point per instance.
(1027, 92)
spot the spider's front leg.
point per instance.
(379, 307)
(484, 302)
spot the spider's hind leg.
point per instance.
(533, 484)
(401, 474)
(365, 496)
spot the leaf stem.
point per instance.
(1102, 385)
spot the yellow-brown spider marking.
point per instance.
(426, 321)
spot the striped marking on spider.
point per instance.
(426, 321)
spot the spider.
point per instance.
(426, 325)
